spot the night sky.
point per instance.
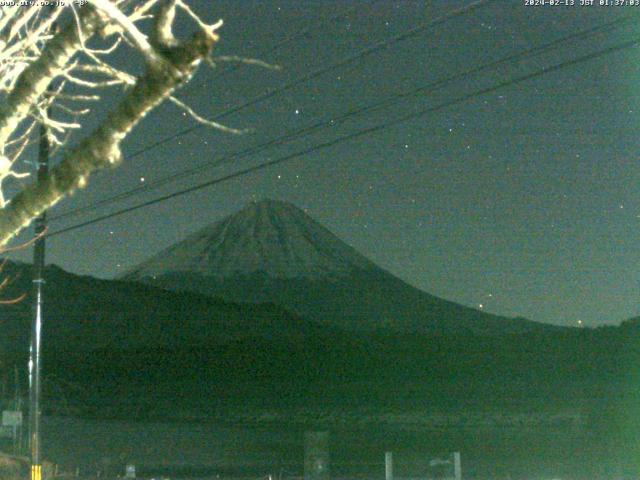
(524, 201)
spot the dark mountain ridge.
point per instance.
(84, 313)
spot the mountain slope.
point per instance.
(274, 252)
(132, 350)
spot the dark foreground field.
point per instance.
(180, 449)
(561, 405)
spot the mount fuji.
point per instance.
(273, 252)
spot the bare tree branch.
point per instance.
(6, 280)
(204, 121)
(102, 148)
(35, 80)
(45, 70)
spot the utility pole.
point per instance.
(35, 388)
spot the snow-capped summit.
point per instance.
(274, 252)
(268, 237)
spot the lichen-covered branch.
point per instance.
(52, 71)
(34, 81)
(102, 147)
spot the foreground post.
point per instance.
(316, 456)
(388, 466)
(457, 466)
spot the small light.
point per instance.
(142, 179)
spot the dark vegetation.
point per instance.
(115, 349)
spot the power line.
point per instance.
(360, 133)
(323, 70)
(302, 33)
(346, 115)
